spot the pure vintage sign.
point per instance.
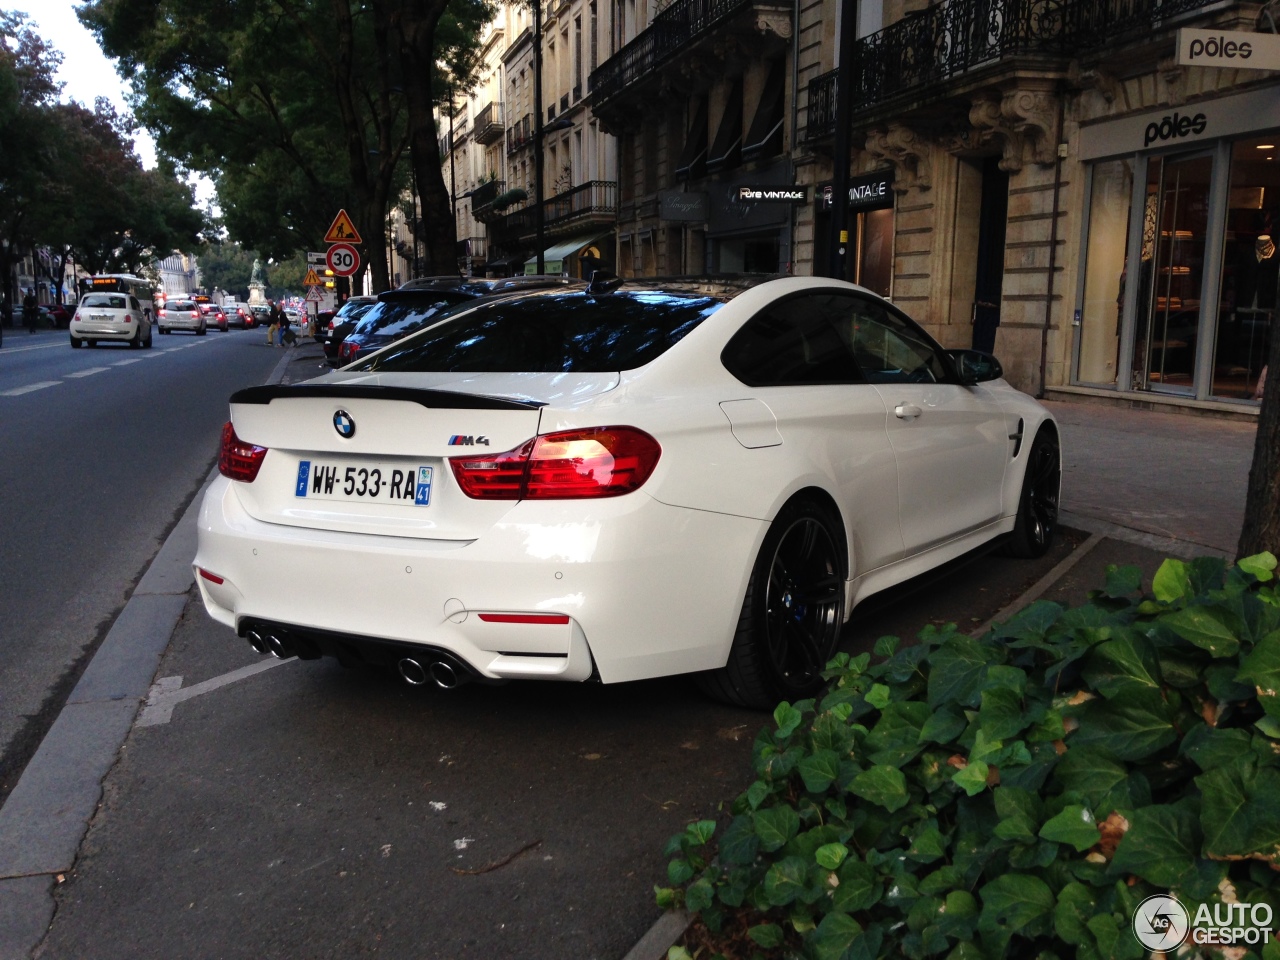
(752, 194)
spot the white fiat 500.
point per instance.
(620, 482)
(110, 316)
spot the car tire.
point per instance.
(792, 614)
(147, 342)
(1037, 521)
(202, 330)
(135, 341)
(163, 331)
(76, 343)
(92, 343)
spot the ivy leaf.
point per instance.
(1262, 668)
(739, 845)
(859, 887)
(944, 726)
(1074, 826)
(1076, 904)
(883, 785)
(775, 826)
(878, 696)
(1019, 814)
(1211, 748)
(1122, 663)
(835, 934)
(1015, 901)
(788, 718)
(699, 833)
(1028, 627)
(819, 770)
(831, 855)
(887, 646)
(1205, 627)
(1171, 582)
(1001, 713)
(1260, 566)
(679, 872)
(1122, 581)
(1129, 728)
(1240, 812)
(766, 934)
(699, 895)
(972, 779)
(895, 739)
(1161, 845)
(785, 881)
(958, 668)
(1091, 774)
(928, 845)
(756, 793)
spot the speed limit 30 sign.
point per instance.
(343, 259)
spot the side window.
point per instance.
(891, 349)
(134, 304)
(798, 341)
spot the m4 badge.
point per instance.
(462, 440)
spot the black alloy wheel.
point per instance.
(792, 613)
(1038, 504)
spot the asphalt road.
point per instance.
(102, 450)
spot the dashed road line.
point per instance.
(8, 351)
(86, 373)
(30, 388)
(125, 363)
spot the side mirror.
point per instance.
(974, 366)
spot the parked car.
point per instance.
(182, 315)
(341, 324)
(102, 317)
(625, 481)
(55, 315)
(414, 304)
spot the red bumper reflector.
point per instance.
(553, 618)
(212, 577)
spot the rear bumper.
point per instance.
(639, 588)
(103, 330)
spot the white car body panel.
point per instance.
(110, 323)
(652, 581)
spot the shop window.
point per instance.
(1104, 273)
(1247, 304)
(756, 254)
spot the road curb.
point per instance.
(46, 816)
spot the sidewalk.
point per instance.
(260, 808)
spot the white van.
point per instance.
(102, 316)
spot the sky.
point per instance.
(85, 72)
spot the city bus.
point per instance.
(144, 290)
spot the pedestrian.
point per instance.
(30, 311)
(274, 316)
(283, 327)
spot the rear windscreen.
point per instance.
(391, 318)
(550, 333)
(102, 300)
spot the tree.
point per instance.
(226, 265)
(1261, 529)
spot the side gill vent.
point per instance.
(1016, 437)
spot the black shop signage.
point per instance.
(871, 192)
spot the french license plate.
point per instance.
(363, 482)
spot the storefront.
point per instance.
(750, 232)
(870, 257)
(1177, 294)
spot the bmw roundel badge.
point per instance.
(343, 423)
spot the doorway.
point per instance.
(989, 279)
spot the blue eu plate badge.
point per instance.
(422, 496)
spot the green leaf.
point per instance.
(766, 935)
(756, 793)
(859, 887)
(831, 855)
(1171, 582)
(1129, 728)
(785, 881)
(1161, 845)
(1028, 627)
(835, 934)
(927, 846)
(679, 872)
(1091, 774)
(882, 785)
(972, 779)
(699, 833)
(1122, 581)
(1211, 748)
(944, 726)
(1074, 826)
(1270, 726)
(739, 845)
(1016, 901)
(1076, 904)
(1205, 627)
(1260, 566)
(961, 903)
(1262, 669)
(1125, 662)
(878, 696)
(895, 738)
(1240, 811)
(1001, 715)
(678, 953)
(788, 718)
(699, 895)
(819, 770)
(666, 898)
(887, 646)
(775, 826)
(1019, 814)
(958, 668)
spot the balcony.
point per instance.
(681, 29)
(956, 40)
(590, 204)
(520, 134)
(482, 198)
(488, 125)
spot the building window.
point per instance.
(1104, 274)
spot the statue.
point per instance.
(257, 271)
(257, 289)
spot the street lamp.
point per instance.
(540, 131)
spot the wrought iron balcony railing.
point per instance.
(488, 124)
(953, 38)
(674, 28)
(520, 134)
(595, 200)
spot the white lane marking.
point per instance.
(173, 350)
(125, 363)
(30, 388)
(8, 351)
(86, 373)
(167, 692)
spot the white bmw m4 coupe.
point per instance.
(616, 482)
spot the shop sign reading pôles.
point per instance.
(1237, 49)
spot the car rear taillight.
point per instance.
(239, 460)
(348, 351)
(160, 312)
(567, 465)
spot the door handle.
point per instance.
(906, 411)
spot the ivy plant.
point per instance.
(1016, 794)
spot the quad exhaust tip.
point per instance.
(415, 674)
(264, 641)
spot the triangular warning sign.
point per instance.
(342, 230)
(312, 279)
